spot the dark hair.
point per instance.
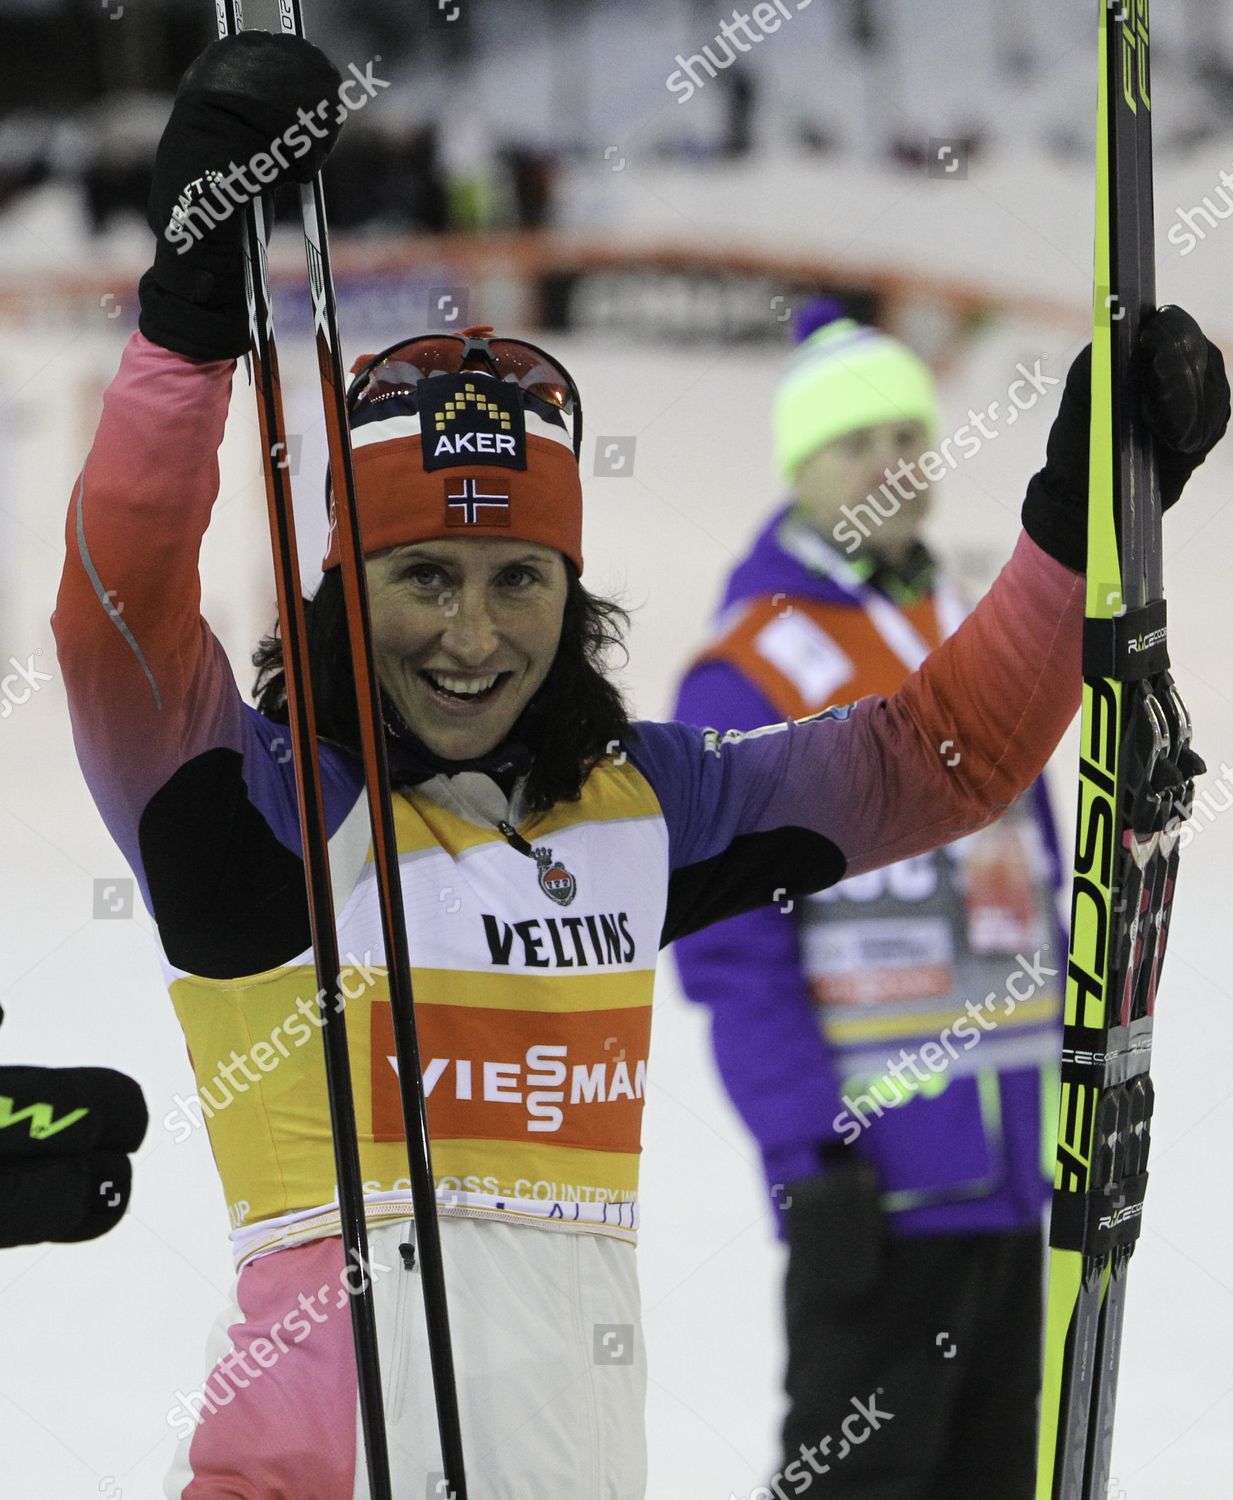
(569, 724)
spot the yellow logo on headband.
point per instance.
(469, 420)
(481, 405)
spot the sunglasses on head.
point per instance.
(398, 369)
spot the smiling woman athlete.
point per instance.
(549, 845)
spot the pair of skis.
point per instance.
(1136, 787)
(313, 829)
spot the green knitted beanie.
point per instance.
(843, 377)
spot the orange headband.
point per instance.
(484, 475)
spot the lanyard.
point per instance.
(891, 623)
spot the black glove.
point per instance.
(1185, 403)
(65, 1135)
(252, 112)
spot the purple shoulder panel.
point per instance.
(713, 788)
(269, 775)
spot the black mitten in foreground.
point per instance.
(65, 1139)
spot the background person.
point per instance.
(910, 1195)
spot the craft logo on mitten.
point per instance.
(189, 196)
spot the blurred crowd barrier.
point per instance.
(488, 98)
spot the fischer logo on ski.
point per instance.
(1136, 788)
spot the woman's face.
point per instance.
(464, 633)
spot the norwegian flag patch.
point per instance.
(472, 502)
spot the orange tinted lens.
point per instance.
(408, 363)
(534, 372)
(403, 367)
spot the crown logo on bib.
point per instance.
(555, 880)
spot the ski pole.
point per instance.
(385, 847)
(314, 835)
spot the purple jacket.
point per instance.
(971, 1152)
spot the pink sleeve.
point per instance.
(977, 722)
(148, 684)
(794, 807)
